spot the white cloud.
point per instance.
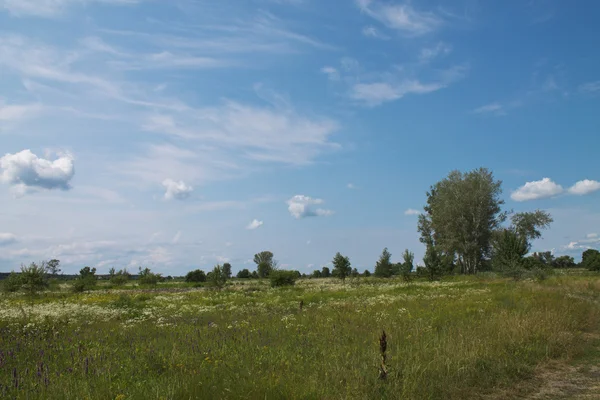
(537, 190)
(300, 206)
(331, 72)
(402, 17)
(371, 31)
(50, 8)
(412, 211)
(16, 112)
(177, 190)
(591, 235)
(373, 94)
(254, 224)
(7, 238)
(430, 53)
(351, 186)
(584, 187)
(493, 108)
(27, 172)
(590, 87)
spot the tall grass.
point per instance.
(449, 340)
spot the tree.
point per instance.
(119, 278)
(528, 224)
(341, 266)
(195, 276)
(317, 274)
(34, 278)
(53, 267)
(243, 274)
(433, 260)
(218, 277)
(367, 273)
(12, 283)
(590, 259)
(254, 275)
(264, 263)
(462, 212)
(325, 272)
(227, 270)
(407, 265)
(508, 251)
(354, 273)
(383, 268)
(86, 280)
(564, 262)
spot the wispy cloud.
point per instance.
(492, 108)
(51, 8)
(402, 17)
(372, 32)
(331, 72)
(412, 211)
(7, 238)
(590, 87)
(351, 186)
(374, 94)
(428, 54)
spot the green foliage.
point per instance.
(325, 272)
(383, 268)
(53, 267)
(264, 263)
(407, 266)
(12, 283)
(254, 275)
(564, 262)
(227, 270)
(85, 281)
(243, 274)
(217, 277)
(528, 224)
(283, 278)
(508, 251)
(590, 259)
(147, 277)
(34, 278)
(317, 274)
(195, 276)
(119, 278)
(354, 273)
(341, 266)
(367, 273)
(435, 263)
(462, 212)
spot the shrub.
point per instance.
(33, 278)
(147, 277)
(283, 278)
(119, 278)
(218, 276)
(195, 276)
(86, 280)
(12, 283)
(367, 273)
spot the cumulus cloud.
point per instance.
(537, 190)
(26, 172)
(584, 187)
(301, 206)
(254, 224)
(176, 190)
(7, 238)
(412, 211)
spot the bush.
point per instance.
(195, 276)
(147, 277)
(119, 278)
(12, 283)
(283, 278)
(33, 278)
(85, 281)
(218, 276)
(244, 274)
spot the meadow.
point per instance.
(459, 338)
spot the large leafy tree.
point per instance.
(462, 212)
(528, 224)
(341, 266)
(264, 263)
(384, 267)
(227, 270)
(590, 259)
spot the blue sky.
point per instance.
(180, 134)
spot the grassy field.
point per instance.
(463, 337)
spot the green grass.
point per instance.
(456, 339)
